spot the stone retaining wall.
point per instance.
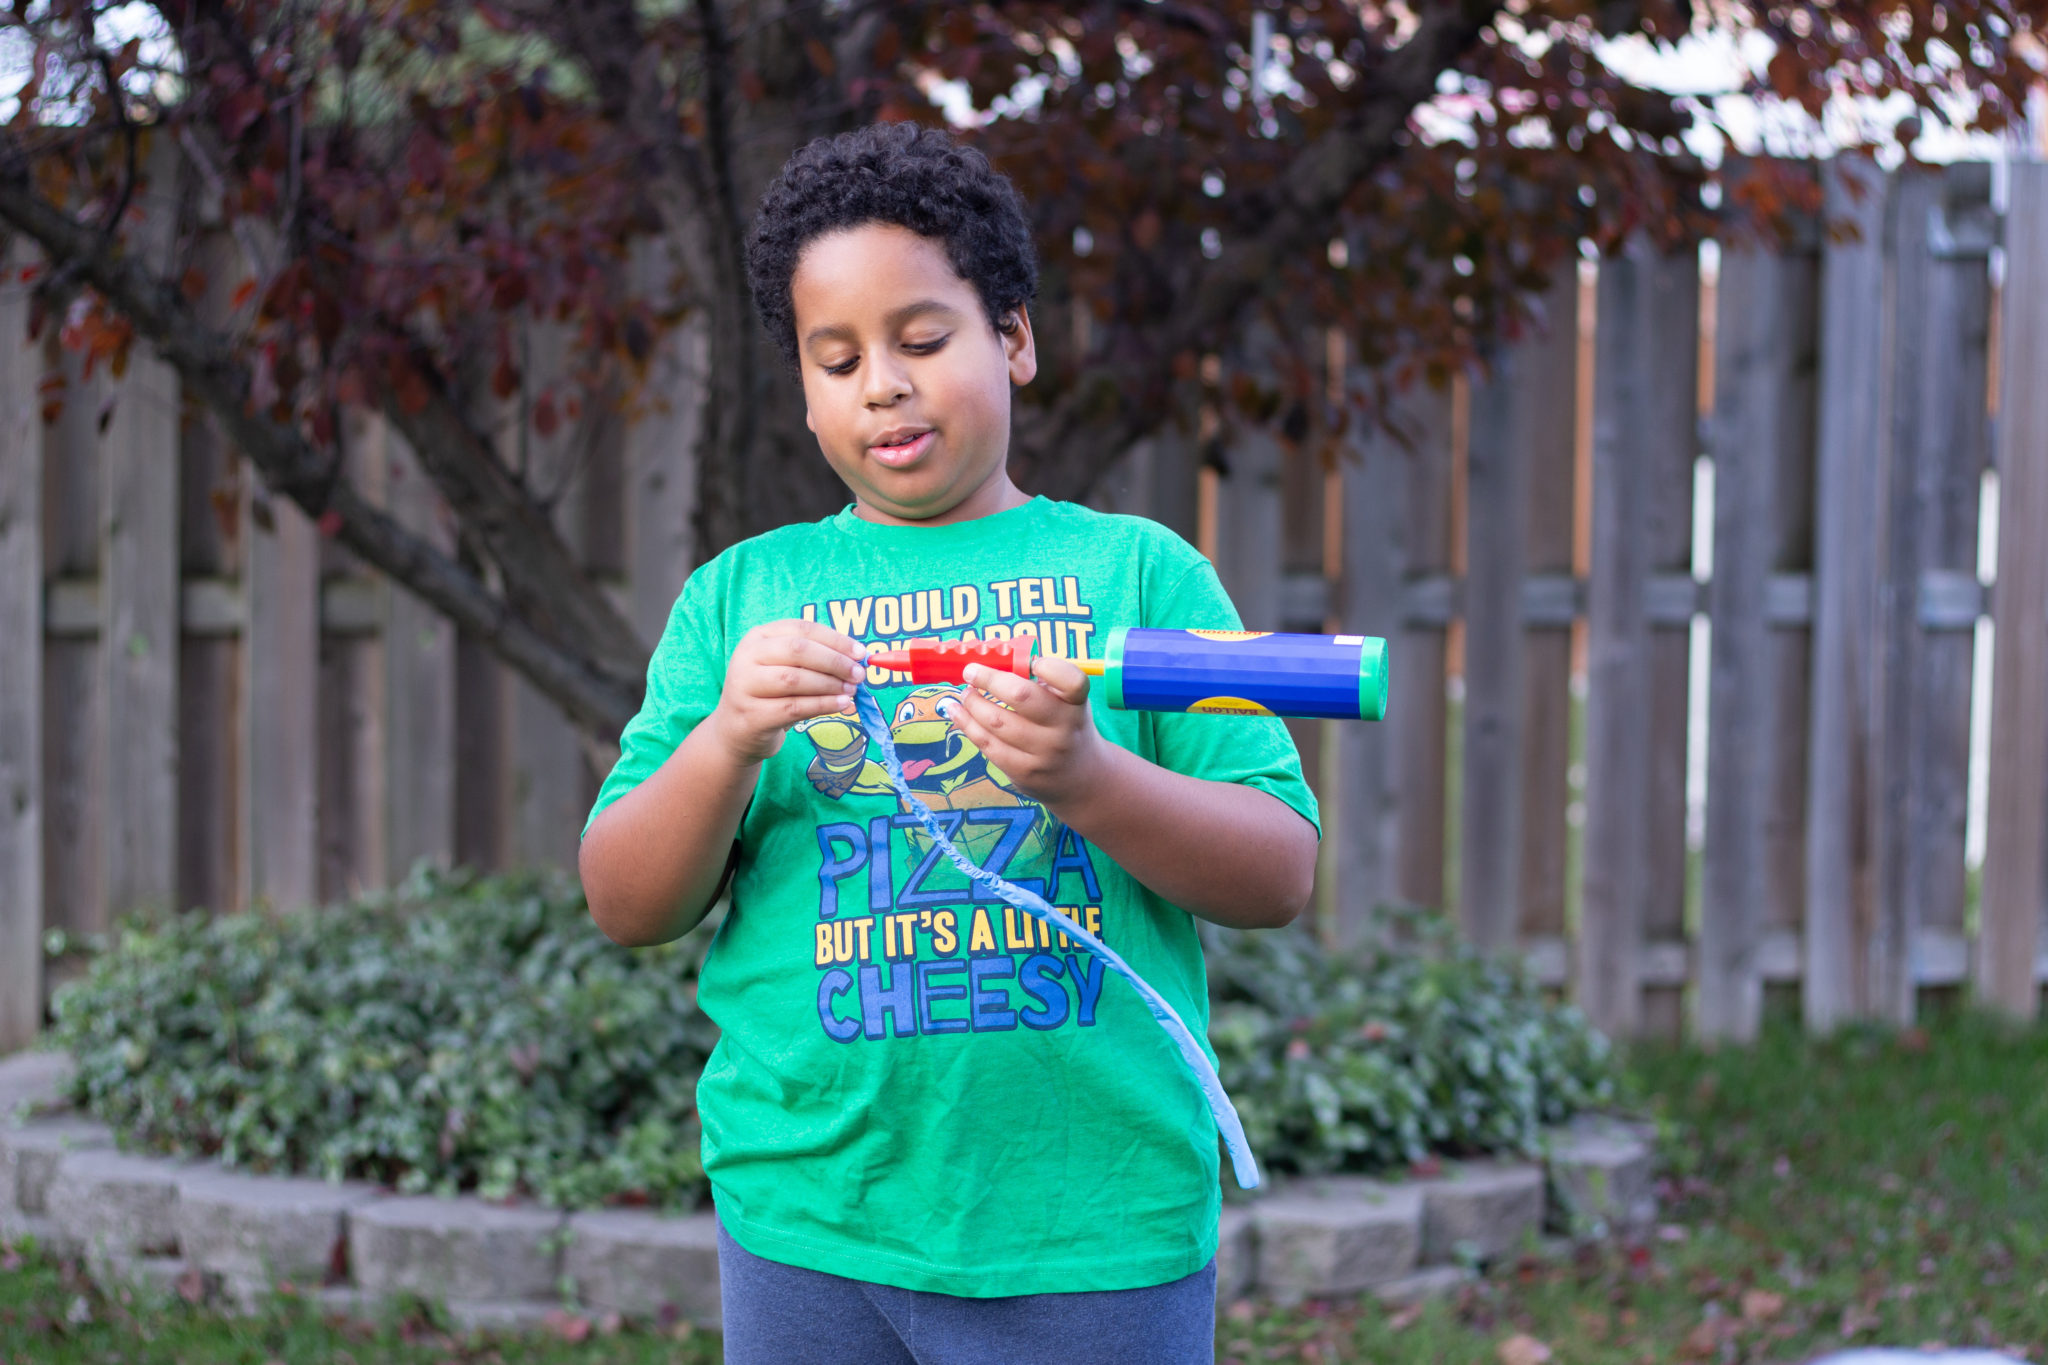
(509, 1265)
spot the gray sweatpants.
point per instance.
(782, 1315)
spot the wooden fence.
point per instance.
(202, 702)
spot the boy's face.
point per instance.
(906, 383)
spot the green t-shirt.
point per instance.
(915, 1086)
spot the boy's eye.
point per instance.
(924, 347)
(843, 366)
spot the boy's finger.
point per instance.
(806, 708)
(1063, 676)
(801, 651)
(823, 634)
(794, 680)
(1021, 695)
(970, 725)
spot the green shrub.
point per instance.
(469, 1033)
(461, 1033)
(1376, 1059)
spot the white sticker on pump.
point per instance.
(1350, 639)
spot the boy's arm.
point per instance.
(652, 861)
(1229, 853)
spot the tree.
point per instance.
(410, 180)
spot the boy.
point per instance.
(935, 1132)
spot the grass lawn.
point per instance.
(1871, 1189)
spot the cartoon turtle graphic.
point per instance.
(940, 764)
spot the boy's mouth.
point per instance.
(899, 450)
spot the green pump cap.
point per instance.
(1372, 679)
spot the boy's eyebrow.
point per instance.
(895, 317)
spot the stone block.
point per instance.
(33, 1079)
(1336, 1236)
(1431, 1282)
(1237, 1246)
(110, 1205)
(1602, 1176)
(1480, 1210)
(348, 1301)
(455, 1249)
(29, 1155)
(255, 1231)
(157, 1277)
(635, 1262)
(500, 1315)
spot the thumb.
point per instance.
(1062, 677)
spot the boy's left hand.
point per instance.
(1046, 741)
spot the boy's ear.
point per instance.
(1019, 347)
(809, 420)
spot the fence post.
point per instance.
(1761, 436)
(1644, 428)
(21, 662)
(2015, 880)
(139, 619)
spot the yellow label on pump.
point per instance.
(1228, 706)
(1231, 634)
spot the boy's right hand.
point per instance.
(781, 673)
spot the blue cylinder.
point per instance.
(1246, 673)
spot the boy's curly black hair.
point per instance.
(901, 173)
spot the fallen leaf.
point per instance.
(1401, 1319)
(1523, 1349)
(1761, 1305)
(568, 1326)
(1703, 1342)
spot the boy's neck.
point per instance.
(997, 494)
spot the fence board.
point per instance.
(549, 786)
(1669, 540)
(1548, 432)
(353, 792)
(1929, 466)
(212, 526)
(1382, 481)
(281, 691)
(1248, 529)
(661, 456)
(1643, 435)
(21, 662)
(1490, 846)
(419, 676)
(139, 627)
(1951, 449)
(1760, 435)
(1841, 814)
(1418, 681)
(2016, 835)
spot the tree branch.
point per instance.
(542, 579)
(1063, 451)
(591, 693)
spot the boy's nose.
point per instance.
(887, 384)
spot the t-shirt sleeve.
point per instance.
(684, 679)
(1254, 750)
